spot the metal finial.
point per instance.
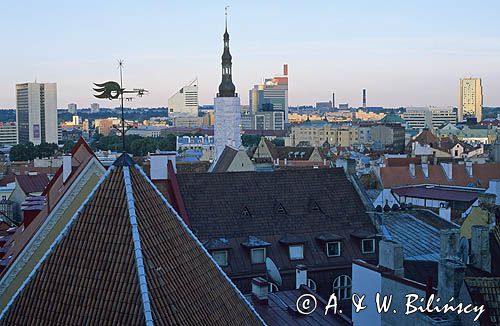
(225, 13)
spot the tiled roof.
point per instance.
(32, 183)
(225, 159)
(237, 205)
(399, 176)
(437, 193)
(486, 290)
(124, 256)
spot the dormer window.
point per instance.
(296, 252)
(245, 212)
(315, 207)
(258, 255)
(280, 209)
(333, 249)
(220, 257)
(368, 246)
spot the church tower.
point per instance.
(226, 106)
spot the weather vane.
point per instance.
(112, 90)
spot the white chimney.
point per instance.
(300, 276)
(480, 248)
(391, 256)
(67, 166)
(425, 169)
(468, 168)
(448, 170)
(278, 161)
(159, 163)
(260, 289)
(285, 161)
(324, 161)
(445, 211)
(412, 170)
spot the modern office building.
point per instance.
(272, 94)
(227, 107)
(94, 108)
(429, 117)
(72, 108)
(184, 103)
(8, 133)
(316, 133)
(470, 99)
(263, 120)
(36, 113)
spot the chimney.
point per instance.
(159, 162)
(300, 276)
(451, 272)
(449, 243)
(285, 69)
(445, 211)
(324, 161)
(278, 161)
(31, 207)
(364, 98)
(67, 167)
(480, 248)
(448, 170)
(260, 290)
(412, 170)
(286, 161)
(391, 256)
(495, 189)
(468, 168)
(425, 169)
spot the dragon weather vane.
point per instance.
(112, 90)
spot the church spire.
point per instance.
(226, 87)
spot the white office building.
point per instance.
(470, 100)
(429, 117)
(72, 108)
(94, 108)
(8, 133)
(36, 113)
(184, 103)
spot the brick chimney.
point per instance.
(451, 272)
(300, 276)
(391, 256)
(449, 243)
(159, 162)
(480, 248)
(260, 290)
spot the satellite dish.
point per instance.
(272, 272)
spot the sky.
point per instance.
(405, 53)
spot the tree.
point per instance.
(250, 140)
(278, 142)
(46, 150)
(19, 153)
(68, 146)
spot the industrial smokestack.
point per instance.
(364, 98)
(333, 100)
(285, 69)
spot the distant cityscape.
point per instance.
(230, 214)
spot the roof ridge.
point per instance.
(198, 242)
(57, 240)
(143, 284)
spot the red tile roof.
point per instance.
(399, 176)
(438, 194)
(91, 276)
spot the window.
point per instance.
(296, 252)
(368, 246)
(342, 287)
(333, 249)
(273, 287)
(315, 207)
(220, 257)
(4, 197)
(280, 209)
(258, 255)
(245, 212)
(311, 284)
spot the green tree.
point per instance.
(68, 146)
(278, 142)
(250, 140)
(46, 150)
(19, 153)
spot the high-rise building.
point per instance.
(272, 94)
(36, 113)
(72, 108)
(94, 108)
(184, 103)
(429, 117)
(227, 107)
(470, 99)
(8, 133)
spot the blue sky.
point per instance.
(402, 52)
